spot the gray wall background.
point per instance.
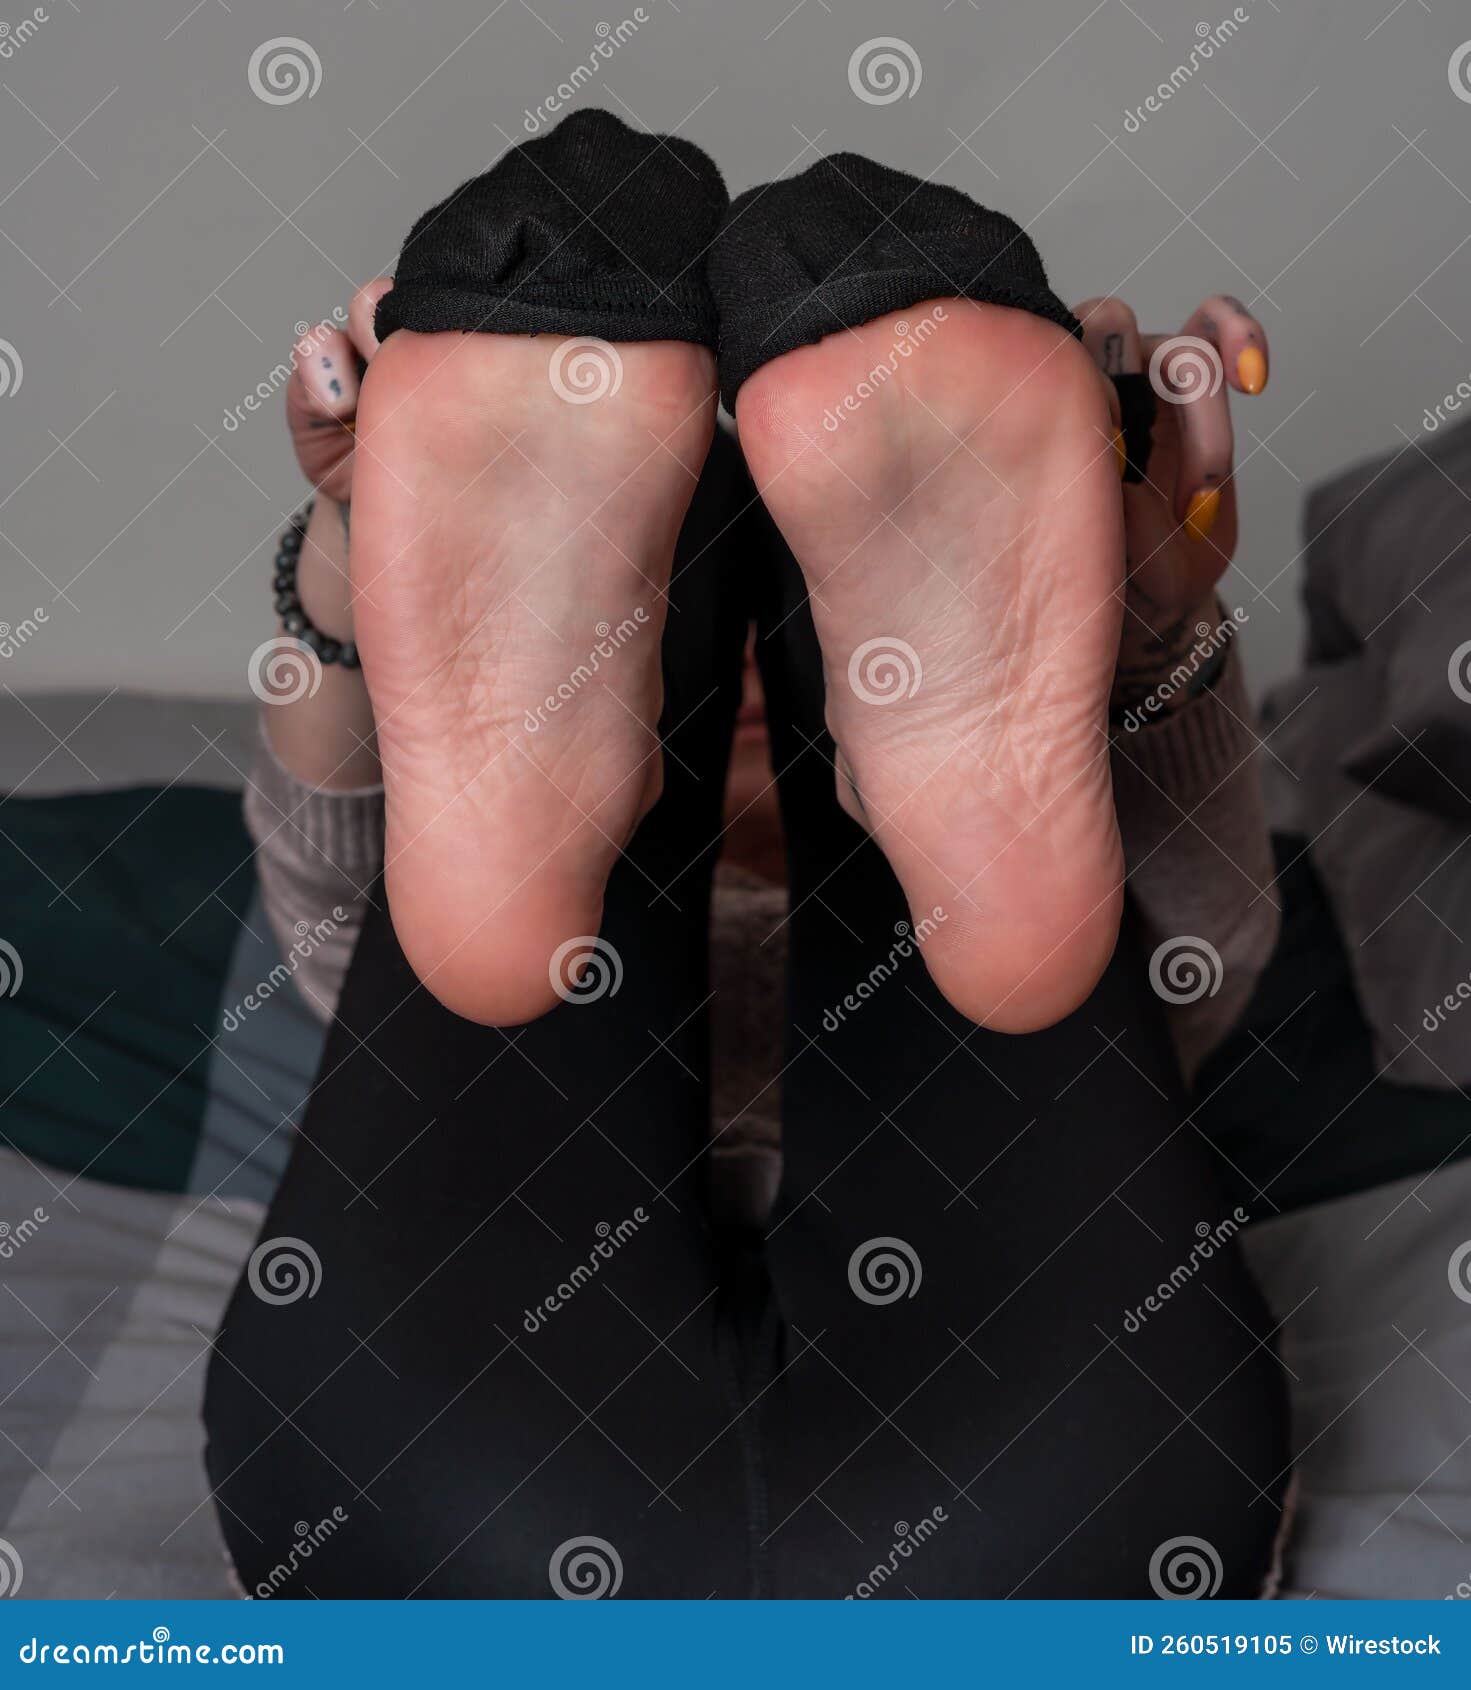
(163, 230)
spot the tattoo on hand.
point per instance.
(1159, 653)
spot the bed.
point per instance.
(140, 1141)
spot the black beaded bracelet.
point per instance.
(294, 620)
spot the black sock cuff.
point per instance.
(592, 229)
(849, 240)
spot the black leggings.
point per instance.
(534, 1365)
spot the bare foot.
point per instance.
(516, 501)
(959, 525)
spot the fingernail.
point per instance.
(1119, 450)
(1251, 369)
(1204, 508)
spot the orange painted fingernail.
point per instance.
(1119, 450)
(1204, 508)
(351, 425)
(1251, 369)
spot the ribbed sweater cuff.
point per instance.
(345, 828)
(1189, 752)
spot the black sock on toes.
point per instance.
(848, 240)
(592, 229)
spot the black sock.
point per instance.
(593, 229)
(848, 240)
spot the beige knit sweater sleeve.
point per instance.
(317, 853)
(1199, 858)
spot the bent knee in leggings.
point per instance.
(1012, 1290)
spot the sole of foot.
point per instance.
(946, 479)
(516, 501)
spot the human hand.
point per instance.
(1181, 519)
(322, 394)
